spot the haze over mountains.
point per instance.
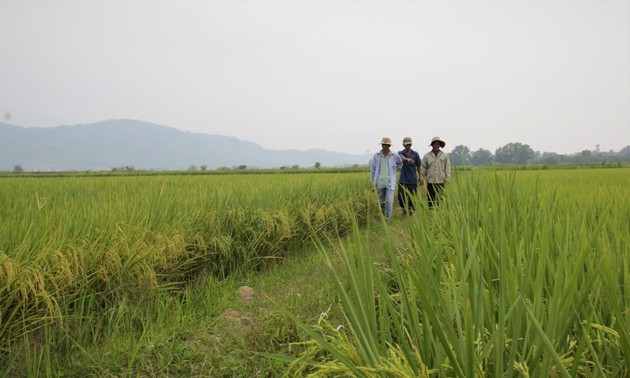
(145, 146)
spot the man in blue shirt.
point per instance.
(409, 177)
(383, 167)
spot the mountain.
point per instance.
(144, 146)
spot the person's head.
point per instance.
(386, 142)
(407, 143)
(436, 143)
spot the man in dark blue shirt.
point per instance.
(409, 176)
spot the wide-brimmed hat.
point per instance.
(406, 141)
(437, 139)
(387, 141)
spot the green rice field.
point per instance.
(516, 273)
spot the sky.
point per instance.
(333, 75)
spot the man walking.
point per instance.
(409, 177)
(383, 169)
(435, 170)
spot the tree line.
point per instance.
(460, 155)
(518, 153)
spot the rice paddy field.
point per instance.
(516, 273)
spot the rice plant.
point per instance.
(515, 274)
(73, 248)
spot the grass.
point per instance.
(93, 261)
(508, 277)
(513, 275)
(205, 331)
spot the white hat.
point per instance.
(437, 139)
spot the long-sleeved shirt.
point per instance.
(435, 169)
(394, 163)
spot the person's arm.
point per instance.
(447, 169)
(372, 169)
(404, 158)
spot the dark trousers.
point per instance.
(434, 192)
(406, 193)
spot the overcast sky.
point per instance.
(335, 75)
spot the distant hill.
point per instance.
(144, 146)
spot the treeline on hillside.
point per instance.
(510, 154)
(517, 153)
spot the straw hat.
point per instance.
(387, 141)
(437, 139)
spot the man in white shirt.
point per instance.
(435, 170)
